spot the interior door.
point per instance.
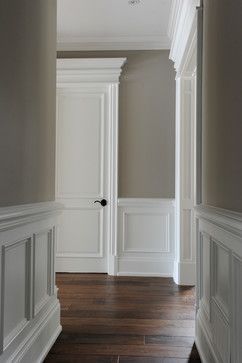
(82, 179)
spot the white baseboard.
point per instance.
(145, 267)
(28, 327)
(145, 237)
(203, 343)
(184, 273)
(40, 340)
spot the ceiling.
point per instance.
(112, 24)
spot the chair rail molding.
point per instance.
(145, 237)
(219, 279)
(30, 310)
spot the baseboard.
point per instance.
(203, 343)
(145, 267)
(184, 273)
(40, 340)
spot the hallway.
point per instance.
(124, 320)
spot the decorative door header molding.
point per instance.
(71, 70)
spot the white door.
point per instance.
(86, 163)
(82, 179)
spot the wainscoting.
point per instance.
(30, 311)
(219, 296)
(145, 237)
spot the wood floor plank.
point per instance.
(110, 319)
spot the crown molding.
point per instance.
(113, 43)
(77, 70)
(181, 24)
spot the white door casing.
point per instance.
(86, 163)
(183, 32)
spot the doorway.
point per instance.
(86, 163)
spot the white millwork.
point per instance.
(219, 297)
(86, 159)
(30, 310)
(183, 31)
(145, 237)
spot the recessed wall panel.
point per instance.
(15, 288)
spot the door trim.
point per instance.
(100, 72)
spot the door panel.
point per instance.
(80, 146)
(83, 144)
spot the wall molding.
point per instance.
(219, 277)
(113, 43)
(13, 216)
(224, 218)
(79, 70)
(145, 237)
(19, 228)
(181, 22)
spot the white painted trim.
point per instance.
(203, 342)
(145, 267)
(174, 18)
(32, 342)
(113, 43)
(13, 216)
(184, 273)
(184, 267)
(180, 25)
(221, 217)
(79, 70)
(183, 33)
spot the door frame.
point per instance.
(183, 28)
(99, 72)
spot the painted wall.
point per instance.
(147, 123)
(222, 104)
(27, 101)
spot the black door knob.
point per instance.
(103, 202)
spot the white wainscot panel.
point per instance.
(205, 273)
(42, 266)
(145, 232)
(219, 317)
(30, 310)
(15, 288)
(220, 334)
(145, 237)
(236, 308)
(220, 277)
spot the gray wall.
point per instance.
(222, 104)
(27, 100)
(147, 123)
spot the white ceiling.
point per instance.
(112, 24)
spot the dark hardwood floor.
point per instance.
(124, 320)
